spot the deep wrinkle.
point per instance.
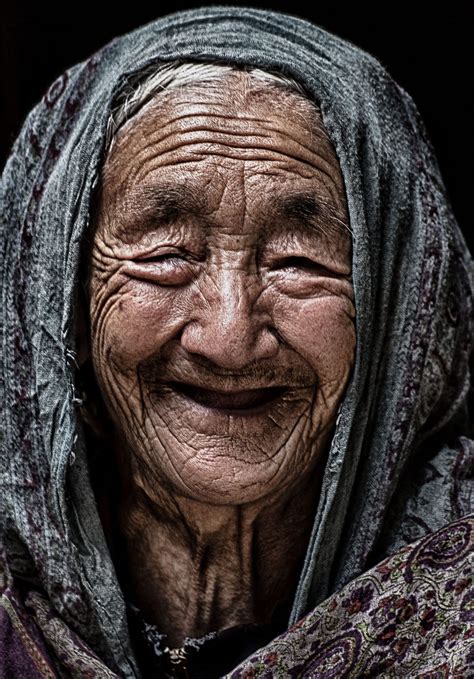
(154, 206)
(239, 280)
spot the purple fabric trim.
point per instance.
(15, 660)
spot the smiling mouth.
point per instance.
(249, 401)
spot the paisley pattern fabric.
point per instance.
(400, 464)
(412, 615)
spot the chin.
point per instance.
(228, 473)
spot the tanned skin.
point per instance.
(220, 265)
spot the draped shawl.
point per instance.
(400, 461)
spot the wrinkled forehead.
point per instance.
(260, 120)
(235, 93)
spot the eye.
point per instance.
(302, 277)
(168, 268)
(169, 258)
(301, 263)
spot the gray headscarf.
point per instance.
(401, 455)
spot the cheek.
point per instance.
(134, 323)
(322, 331)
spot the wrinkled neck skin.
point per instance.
(193, 567)
(219, 270)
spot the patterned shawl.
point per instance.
(399, 467)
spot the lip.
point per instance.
(242, 403)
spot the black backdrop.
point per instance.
(427, 52)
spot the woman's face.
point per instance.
(221, 304)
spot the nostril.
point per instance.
(273, 331)
(230, 341)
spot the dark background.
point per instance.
(427, 52)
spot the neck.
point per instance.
(193, 568)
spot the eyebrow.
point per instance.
(310, 212)
(159, 206)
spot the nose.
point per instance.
(227, 329)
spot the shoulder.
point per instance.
(22, 649)
(410, 615)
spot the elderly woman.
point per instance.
(235, 336)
